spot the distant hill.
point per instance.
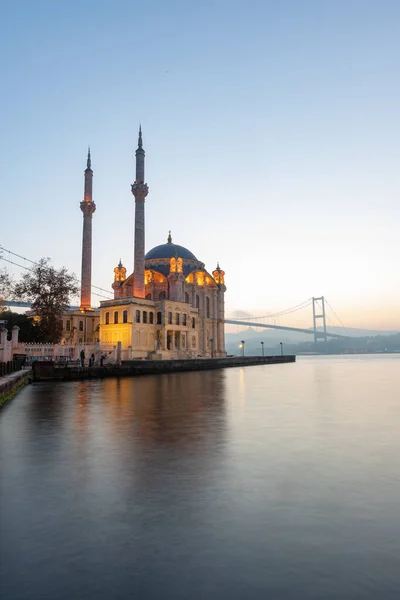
(360, 339)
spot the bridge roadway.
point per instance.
(21, 304)
(227, 321)
(267, 326)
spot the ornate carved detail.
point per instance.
(120, 273)
(88, 208)
(172, 265)
(219, 275)
(140, 191)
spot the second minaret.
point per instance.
(87, 207)
(140, 191)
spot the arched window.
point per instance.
(193, 323)
(107, 318)
(151, 318)
(144, 316)
(159, 318)
(177, 318)
(187, 299)
(148, 296)
(80, 325)
(197, 301)
(138, 316)
(170, 318)
(208, 307)
(68, 325)
(184, 319)
(116, 317)
(161, 296)
(125, 316)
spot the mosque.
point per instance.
(170, 306)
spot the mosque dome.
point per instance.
(169, 250)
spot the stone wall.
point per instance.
(49, 371)
(10, 385)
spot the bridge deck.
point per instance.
(21, 304)
(268, 326)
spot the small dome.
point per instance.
(168, 251)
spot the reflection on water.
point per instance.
(277, 481)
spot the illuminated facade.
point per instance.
(80, 326)
(170, 306)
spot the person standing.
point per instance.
(82, 355)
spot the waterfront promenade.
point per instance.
(52, 371)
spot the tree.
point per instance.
(50, 291)
(6, 289)
(27, 330)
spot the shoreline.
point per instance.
(12, 383)
(50, 371)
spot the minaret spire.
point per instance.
(87, 207)
(140, 191)
(140, 159)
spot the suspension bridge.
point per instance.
(319, 304)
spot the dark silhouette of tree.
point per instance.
(27, 330)
(50, 291)
(6, 289)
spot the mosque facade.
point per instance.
(170, 307)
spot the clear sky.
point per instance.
(271, 131)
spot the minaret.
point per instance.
(87, 207)
(140, 191)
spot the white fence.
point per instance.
(68, 352)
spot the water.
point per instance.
(276, 482)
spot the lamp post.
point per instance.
(242, 346)
(281, 348)
(262, 348)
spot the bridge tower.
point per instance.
(87, 207)
(140, 191)
(319, 335)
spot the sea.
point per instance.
(262, 482)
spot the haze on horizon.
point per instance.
(271, 134)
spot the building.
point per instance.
(169, 307)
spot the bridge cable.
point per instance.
(278, 314)
(28, 269)
(341, 323)
(35, 263)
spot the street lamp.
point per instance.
(242, 346)
(281, 348)
(262, 348)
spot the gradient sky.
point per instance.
(271, 132)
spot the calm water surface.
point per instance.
(276, 482)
